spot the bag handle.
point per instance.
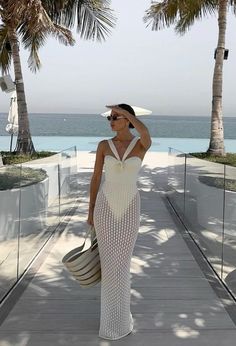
(90, 231)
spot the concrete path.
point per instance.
(173, 302)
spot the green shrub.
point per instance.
(229, 159)
(217, 182)
(15, 177)
(13, 158)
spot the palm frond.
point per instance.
(195, 10)
(181, 13)
(94, 18)
(233, 6)
(63, 34)
(62, 12)
(32, 42)
(37, 26)
(37, 18)
(162, 14)
(34, 62)
(14, 10)
(41, 22)
(5, 50)
(1, 8)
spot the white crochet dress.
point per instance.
(116, 221)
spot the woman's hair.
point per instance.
(128, 109)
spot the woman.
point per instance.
(115, 213)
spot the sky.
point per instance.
(158, 70)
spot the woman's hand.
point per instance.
(90, 219)
(119, 110)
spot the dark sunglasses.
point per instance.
(114, 117)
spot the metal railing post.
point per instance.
(59, 191)
(185, 173)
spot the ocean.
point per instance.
(59, 131)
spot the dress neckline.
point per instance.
(127, 151)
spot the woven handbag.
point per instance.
(85, 265)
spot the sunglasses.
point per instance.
(114, 117)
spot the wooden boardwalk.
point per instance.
(172, 301)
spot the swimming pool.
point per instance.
(54, 143)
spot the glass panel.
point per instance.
(204, 200)
(229, 249)
(176, 179)
(39, 208)
(30, 198)
(68, 180)
(10, 177)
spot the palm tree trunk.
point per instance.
(216, 146)
(24, 143)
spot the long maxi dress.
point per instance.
(116, 221)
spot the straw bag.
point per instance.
(85, 265)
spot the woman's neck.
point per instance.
(124, 136)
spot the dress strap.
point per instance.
(113, 149)
(130, 147)
(127, 151)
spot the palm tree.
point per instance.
(28, 21)
(183, 14)
(33, 21)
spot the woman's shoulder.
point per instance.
(102, 143)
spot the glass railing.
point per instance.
(176, 178)
(229, 231)
(10, 181)
(34, 198)
(205, 199)
(68, 182)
